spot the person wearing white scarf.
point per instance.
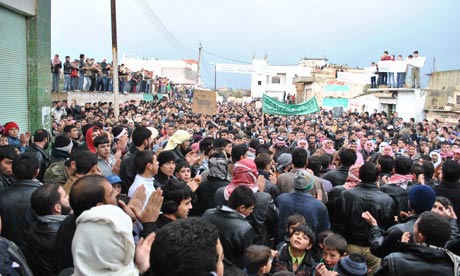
(103, 243)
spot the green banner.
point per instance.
(272, 106)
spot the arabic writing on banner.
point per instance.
(274, 107)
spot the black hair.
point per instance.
(44, 198)
(241, 195)
(294, 219)
(435, 228)
(256, 257)
(174, 191)
(450, 171)
(40, 135)
(141, 159)
(262, 160)
(86, 193)
(307, 231)
(69, 128)
(336, 242)
(185, 247)
(181, 164)
(314, 164)
(206, 143)
(221, 143)
(238, 151)
(100, 140)
(299, 157)
(7, 151)
(25, 166)
(417, 169)
(402, 165)
(368, 172)
(386, 163)
(254, 143)
(325, 161)
(263, 148)
(347, 157)
(84, 161)
(139, 135)
(444, 201)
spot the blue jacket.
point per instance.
(305, 204)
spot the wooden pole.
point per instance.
(115, 59)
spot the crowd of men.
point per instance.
(86, 74)
(163, 191)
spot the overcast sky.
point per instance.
(353, 32)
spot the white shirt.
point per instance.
(147, 183)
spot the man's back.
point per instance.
(235, 232)
(16, 211)
(312, 209)
(337, 176)
(414, 259)
(365, 197)
(451, 190)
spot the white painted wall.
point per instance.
(410, 105)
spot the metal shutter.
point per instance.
(13, 69)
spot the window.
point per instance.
(259, 82)
(276, 79)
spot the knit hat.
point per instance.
(421, 198)
(284, 159)
(10, 125)
(303, 180)
(165, 157)
(177, 138)
(352, 265)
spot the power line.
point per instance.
(222, 57)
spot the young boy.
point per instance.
(293, 221)
(183, 173)
(295, 256)
(257, 260)
(334, 249)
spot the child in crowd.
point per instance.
(295, 256)
(183, 172)
(257, 260)
(333, 250)
(317, 250)
(293, 221)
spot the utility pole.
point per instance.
(115, 59)
(198, 67)
(215, 77)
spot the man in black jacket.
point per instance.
(339, 176)
(365, 197)
(235, 232)
(7, 154)
(15, 210)
(51, 205)
(41, 142)
(427, 256)
(450, 185)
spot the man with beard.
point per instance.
(41, 142)
(7, 154)
(178, 144)
(280, 147)
(51, 205)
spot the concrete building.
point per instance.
(183, 72)
(443, 96)
(25, 76)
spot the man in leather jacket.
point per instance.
(7, 154)
(427, 256)
(365, 197)
(15, 209)
(41, 142)
(51, 205)
(235, 232)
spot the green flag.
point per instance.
(272, 106)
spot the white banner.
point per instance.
(400, 65)
(234, 68)
(418, 62)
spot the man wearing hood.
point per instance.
(41, 142)
(7, 155)
(62, 148)
(178, 144)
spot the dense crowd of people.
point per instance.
(86, 74)
(161, 190)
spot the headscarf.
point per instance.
(328, 151)
(386, 147)
(103, 243)
(439, 158)
(400, 180)
(244, 173)
(89, 140)
(177, 138)
(353, 177)
(369, 146)
(218, 167)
